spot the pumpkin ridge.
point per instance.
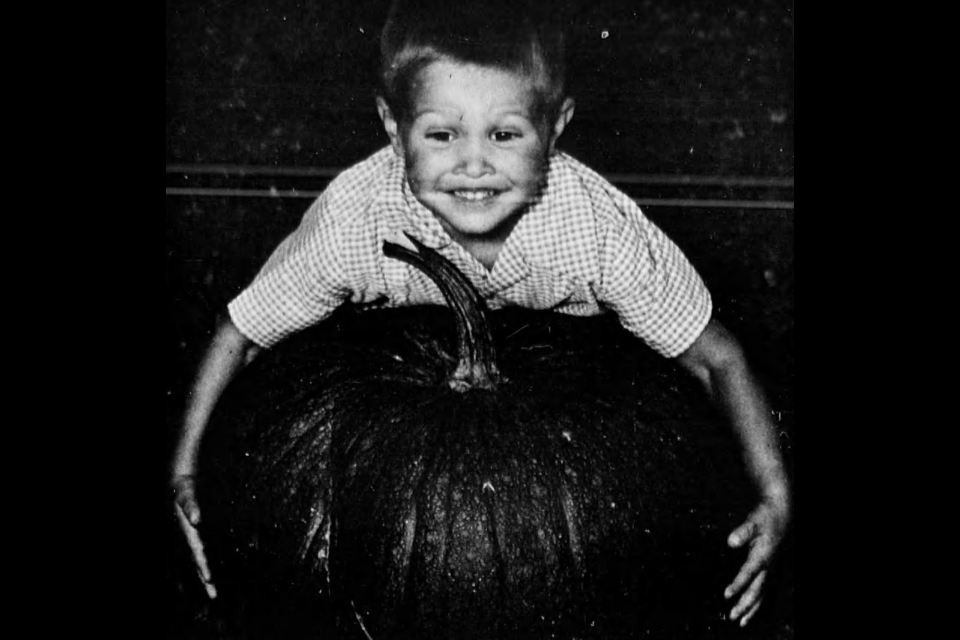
(570, 560)
(499, 562)
(409, 569)
(293, 452)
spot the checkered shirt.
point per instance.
(582, 248)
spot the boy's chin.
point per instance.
(478, 228)
(499, 207)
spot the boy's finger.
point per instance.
(190, 510)
(742, 533)
(200, 560)
(196, 546)
(186, 507)
(210, 588)
(182, 517)
(196, 549)
(185, 499)
(750, 568)
(750, 597)
(749, 614)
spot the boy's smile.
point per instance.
(475, 150)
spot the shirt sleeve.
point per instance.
(301, 283)
(651, 285)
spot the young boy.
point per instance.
(473, 103)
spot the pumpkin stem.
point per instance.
(476, 357)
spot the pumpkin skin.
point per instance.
(344, 477)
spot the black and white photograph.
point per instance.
(480, 320)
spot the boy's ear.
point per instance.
(390, 125)
(566, 114)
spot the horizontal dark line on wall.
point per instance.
(652, 202)
(229, 170)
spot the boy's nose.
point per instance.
(473, 159)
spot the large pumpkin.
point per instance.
(416, 473)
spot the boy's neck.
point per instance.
(486, 249)
(485, 252)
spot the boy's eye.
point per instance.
(440, 136)
(505, 136)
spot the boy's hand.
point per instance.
(188, 515)
(764, 530)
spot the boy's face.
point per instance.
(475, 150)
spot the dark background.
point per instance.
(688, 100)
(681, 87)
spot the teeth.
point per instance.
(474, 195)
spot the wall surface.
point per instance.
(683, 86)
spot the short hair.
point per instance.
(519, 36)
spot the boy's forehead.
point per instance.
(447, 84)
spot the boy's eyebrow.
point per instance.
(519, 111)
(438, 110)
(514, 110)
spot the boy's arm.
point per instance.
(228, 353)
(717, 360)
